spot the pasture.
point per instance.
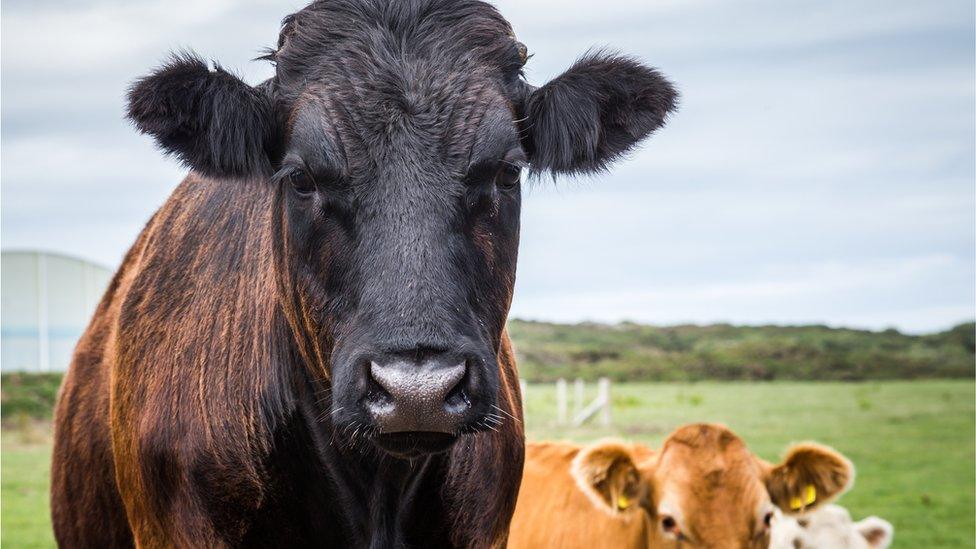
(911, 441)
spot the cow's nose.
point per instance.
(426, 395)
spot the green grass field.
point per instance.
(25, 454)
(912, 442)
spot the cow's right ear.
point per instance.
(810, 476)
(211, 120)
(607, 473)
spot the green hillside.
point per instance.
(634, 352)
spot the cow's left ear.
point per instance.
(810, 476)
(211, 120)
(593, 113)
(607, 473)
(877, 531)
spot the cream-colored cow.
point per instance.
(830, 527)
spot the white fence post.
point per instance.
(561, 405)
(604, 396)
(578, 389)
(601, 404)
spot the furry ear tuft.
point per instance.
(810, 476)
(606, 472)
(593, 113)
(209, 119)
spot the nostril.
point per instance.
(443, 383)
(457, 399)
(376, 392)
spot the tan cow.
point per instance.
(703, 488)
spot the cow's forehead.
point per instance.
(417, 80)
(428, 99)
(709, 467)
(362, 131)
(710, 480)
(703, 447)
(361, 42)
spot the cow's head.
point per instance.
(394, 135)
(704, 488)
(830, 526)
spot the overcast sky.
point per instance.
(820, 170)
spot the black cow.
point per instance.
(306, 345)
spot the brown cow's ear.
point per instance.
(211, 120)
(593, 113)
(606, 472)
(810, 476)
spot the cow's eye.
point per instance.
(509, 175)
(668, 524)
(768, 520)
(301, 182)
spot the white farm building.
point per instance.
(48, 299)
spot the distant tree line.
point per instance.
(634, 352)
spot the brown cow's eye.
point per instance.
(768, 520)
(668, 524)
(301, 182)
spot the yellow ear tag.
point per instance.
(809, 496)
(623, 502)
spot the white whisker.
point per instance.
(506, 413)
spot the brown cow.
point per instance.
(704, 488)
(306, 345)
